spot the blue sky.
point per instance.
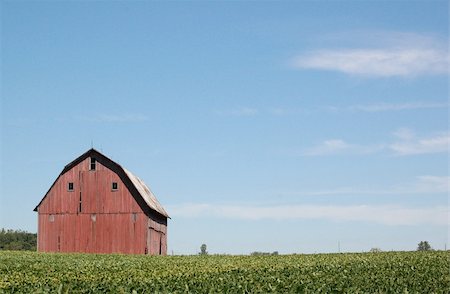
(260, 126)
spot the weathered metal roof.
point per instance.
(146, 193)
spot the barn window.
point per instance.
(51, 218)
(134, 217)
(94, 217)
(114, 186)
(93, 161)
(70, 187)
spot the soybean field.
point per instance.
(386, 272)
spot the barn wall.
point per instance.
(93, 233)
(157, 237)
(106, 222)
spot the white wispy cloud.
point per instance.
(254, 111)
(404, 134)
(377, 62)
(328, 147)
(282, 111)
(114, 118)
(425, 184)
(383, 214)
(245, 111)
(382, 107)
(286, 111)
(339, 146)
(432, 184)
(405, 56)
(239, 111)
(409, 144)
(406, 143)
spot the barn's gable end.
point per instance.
(147, 202)
(91, 193)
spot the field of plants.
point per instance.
(389, 272)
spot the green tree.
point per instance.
(423, 246)
(17, 240)
(375, 250)
(203, 250)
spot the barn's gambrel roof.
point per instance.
(140, 191)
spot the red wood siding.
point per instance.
(108, 221)
(157, 238)
(93, 233)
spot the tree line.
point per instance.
(422, 246)
(17, 240)
(22, 240)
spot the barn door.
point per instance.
(154, 242)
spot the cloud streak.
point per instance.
(426, 184)
(381, 214)
(433, 184)
(413, 146)
(339, 146)
(376, 62)
(406, 144)
(280, 111)
(114, 118)
(383, 107)
(244, 111)
(406, 55)
(240, 111)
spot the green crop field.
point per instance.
(390, 272)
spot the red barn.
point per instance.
(97, 206)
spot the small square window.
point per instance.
(70, 187)
(114, 186)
